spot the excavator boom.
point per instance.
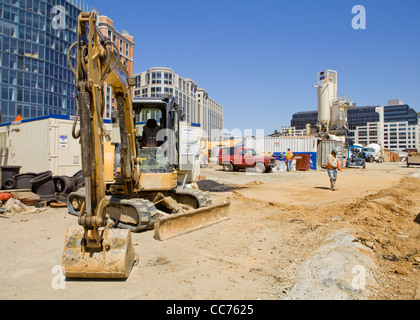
(95, 250)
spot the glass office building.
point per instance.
(401, 113)
(361, 116)
(35, 79)
(300, 119)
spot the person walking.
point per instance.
(333, 164)
(289, 158)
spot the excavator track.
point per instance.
(139, 214)
(134, 214)
(142, 218)
(201, 198)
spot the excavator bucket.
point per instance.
(173, 225)
(115, 262)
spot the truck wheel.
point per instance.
(259, 168)
(227, 166)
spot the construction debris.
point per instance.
(14, 206)
(39, 189)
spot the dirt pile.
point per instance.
(387, 225)
(385, 222)
(213, 186)
(385, 237)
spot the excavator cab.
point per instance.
(157, 126)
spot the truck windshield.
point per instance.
(252, 152)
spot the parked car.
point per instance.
(235, 158)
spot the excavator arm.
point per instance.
(98, 62)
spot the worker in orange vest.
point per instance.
(289, 157)
(333, 164)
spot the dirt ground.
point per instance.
(289, 237)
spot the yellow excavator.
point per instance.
(145, 192)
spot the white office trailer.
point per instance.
(41, 144)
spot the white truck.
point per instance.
(373, 152)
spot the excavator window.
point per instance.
(149, 121)
(150, 132)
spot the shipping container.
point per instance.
(272, 145)
(324, 149)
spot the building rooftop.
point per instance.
(303, 112)
(363, 107)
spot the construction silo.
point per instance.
(324, 109)
(327, 93)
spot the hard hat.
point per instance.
(334, 150)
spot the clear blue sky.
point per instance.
(259, 59)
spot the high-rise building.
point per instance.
(212, 115)
(35, 36)
(125, 44)
(198, 107)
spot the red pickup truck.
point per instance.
(235, 158)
